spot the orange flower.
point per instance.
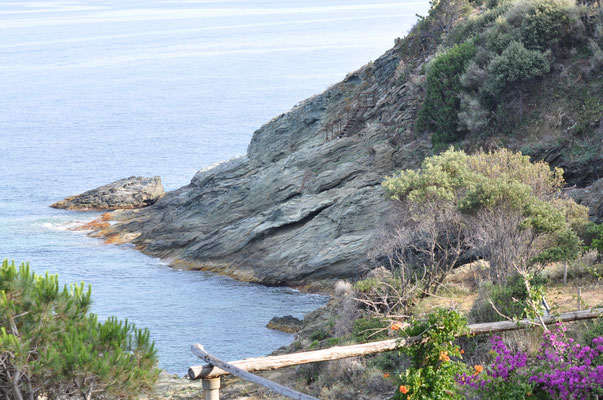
(386, 375)
(396, 326)
(403, 389)
(529, 394)
(478, 369)
(462, 351)
(444, 356)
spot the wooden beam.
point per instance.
(286, 360)
(199, 351)
(338, 352)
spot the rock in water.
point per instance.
(288, 324)
(127, 193)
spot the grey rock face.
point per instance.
(127, 193)
(303, 205)
(591, 196)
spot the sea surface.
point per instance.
(94, 91)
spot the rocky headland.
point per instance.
(304, 206)
(305, 202)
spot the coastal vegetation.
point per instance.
(484, 235)
(511, 215)
(488, 64)
(488, 101)
(51, 346)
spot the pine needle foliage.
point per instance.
(50, 345)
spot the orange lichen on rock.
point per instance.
(113, 239)
(118, 238)
(95, 225)
(106, 217)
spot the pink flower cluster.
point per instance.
(505, 367)
(568, 370)
(563, 369)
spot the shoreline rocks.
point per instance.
(127, 193)
(288, 324)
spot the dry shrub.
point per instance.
(343, 288)
(380, 273)
(348, 313)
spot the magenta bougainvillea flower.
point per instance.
(563, 369)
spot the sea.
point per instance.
(92, 91)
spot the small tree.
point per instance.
(505, 207)
(51, 346)
(428, 233)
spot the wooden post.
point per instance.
(565, 273)
(199, 351)
(579, 297)
(211, 389)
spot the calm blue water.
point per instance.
(93, 91)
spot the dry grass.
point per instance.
(460, 289)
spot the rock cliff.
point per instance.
(303, 204)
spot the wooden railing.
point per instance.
(215, 368)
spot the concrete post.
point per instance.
(211, 389)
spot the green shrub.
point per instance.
(50, 345)
(388, 361)
(319, 335)
(594, 233)
(594, 330)
(509, 299)
(442, 103)
(366, 329)
(434, 358)
(367, 285)
(515, 65)
(567, 247)
(500, 35)
(544, 23)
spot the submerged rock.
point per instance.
(288, 324)
(127, 193)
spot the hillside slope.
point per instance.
(305, 203)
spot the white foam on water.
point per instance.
(64, 226)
